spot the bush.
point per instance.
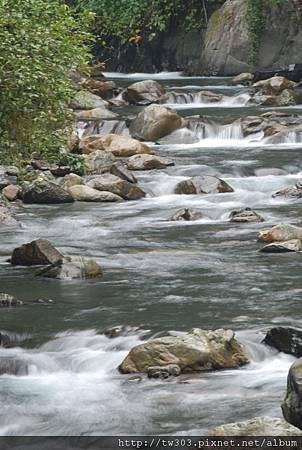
(40, 41)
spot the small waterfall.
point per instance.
(103, 127)
(206, 98)
(286, 137)
(213, 130)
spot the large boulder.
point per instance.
(87, 100)
(281, 233)
(36, 253)
(121, 146)
(294, 245)
(144, 93)
(104, 89)
(72, 267)
(285, 339)
(116, 185)
(148, 162)
(246, 215)
(87, 194)
(258, 426)
(197, 350)
(96, 114)
(99, 161)
(155, 122)
(45, 192)
(292, 404)
(274, 85)
(206, 184)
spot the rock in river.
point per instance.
(292, 405)
(186, 214)
(281, 233)
(148, 162)
(155, 122)
(116, 185)
(86, 100)
(99, 161)
(45, 192)
(246, 215)
(197, 350)
(294, 245)
(285, 339)
(87, 194)
(294, 192)
(120, 146)
(7, 300)
(36, 253)
(144, 92)
(206, 184)
(72, 267)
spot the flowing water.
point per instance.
(159, 276)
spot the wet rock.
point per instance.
(206, 184)
(99, 161)
(121, 146)
(292, 404)
(155, 122)
(96, 114)
(148, 162)
(274, 85)
(294, 245)
(197, 350)
(186, 214)
(294, 192)
(258, 426)
(104, 89)
(245, 78)
(209, 97)
(163, 372)
(11, 192)
(264, 100)
(120, 330)
(116, 185)
(281, 233)
(6, 219)
(8, 175)
(87, 194)
(7, 300)
(120, 170)
(144, 93)
(45, 192)
(87, 100)
(72, 180)
(10, 365)
(36, 253)
(285, 339)
(286, 98)
(72, 267)
(246, 215)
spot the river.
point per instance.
(159, 276)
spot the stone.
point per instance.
(87, 194)
(87, 100)
(104, 89)
(186, 214)
(258, 426)
(245, 78)
(7, 300)
(96, 114)
(294, 192)
(6, 219)
(181, 136)
(294, 245)
(281, 233)
(99, 162)
(121, 146)
(120, 330)
(144, 93)
(11, 192)
(286, 98)
(36, 253)
(197, 350)
(148, 162)
(274, 85)
(120, 170)
(72, 180)
(72, 267)
(206, 184)
(292, 404)
(42, 191)
(285, 339)
(116, 185)
(155, 122)
(8, 175)
(172, 370)
(246, 215)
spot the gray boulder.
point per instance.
(119, 169)
(36, 253)
(206, 184)
(148, 162)
(294, 245)
(116, 185)
(86, 100)
(144, 93)
(285, 339)
(281, 233)
(246, 215)
(186, 215)
(45, 192)
(87, 194)
(99, 161)
(72, 267)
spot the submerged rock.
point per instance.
(148, 162)
(116, 185)
(72, 267)
(290, 192)
(246, 215)
(155, 122)
(87, 194)
(6, 219)
(120, 330)
(7, 300)
(197, 350)
(292, 404)
(120, 146)
(36, 253)
(45, 192)
(186, 214)
(281, 233)
(163, 372)
(258, 426)
(206, 184)
(294, 245)
(144, 93)
(285, 339)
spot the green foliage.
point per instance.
(74, 161)
(40, 41)
(256, 23)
